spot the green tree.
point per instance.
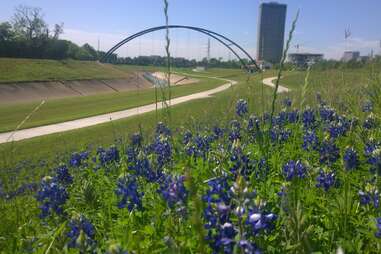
(6, 32)
(28, 22)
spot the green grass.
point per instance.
(197, 114)
(344, 89)
(20, 70)
(210, 110)
(59, 110)
(308, 218)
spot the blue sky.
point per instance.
(320, 27)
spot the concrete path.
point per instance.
(94, 120)
(269, 82)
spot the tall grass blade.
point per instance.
(290, 35)
(25, 120)
(305, 87)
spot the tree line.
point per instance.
(27, 35)
(180, 62)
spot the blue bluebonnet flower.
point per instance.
(163, 150)
(284, 135)
(366, 197)
(162, 129)
(293, 116)
(266, 117)
(173, 190)
(241, 107)
(253, 123)
(52, 197)
(378, 225)
(63, 176)
(351, 160)
(218, 132)
(187, 137)
(327, 114)
(372, 152)
(370, 122)
(136, 139)
(294, 169)
(2, 192)
(282, 191)
(241, 163)
(219, 191)
(81, 227)
(280, 135)
(127, 190)
(287, 102)
(370, 147)
(77, 159)
(367, 106)
(310, 140)
(261, 221)
(248, 247)
(221, 231)
(308, 118)
(339, 127)
(281, 119)
(326, 180)
(108, 156)
(329, 152)
(141, 165)
(199, 146)
(235, 132)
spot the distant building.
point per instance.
(303, 60)
(365, 58)
(263, 65)
(350, 55)
(271, 24)
(199, 68)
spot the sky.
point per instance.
(320, 28)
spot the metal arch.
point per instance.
(212, 34)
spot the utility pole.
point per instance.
(347, 34)
(208, 54)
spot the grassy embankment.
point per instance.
(21, 70)
(59, 110)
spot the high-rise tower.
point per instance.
(271, 24)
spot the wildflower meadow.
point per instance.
(310, 183)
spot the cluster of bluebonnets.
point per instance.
(230, 167)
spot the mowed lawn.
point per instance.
(20, 70)
(59, 110)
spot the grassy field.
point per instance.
(336, 86)
(19, 70)
(60, 110)
(206, 111)
(275, 193)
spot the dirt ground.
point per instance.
(36, 91)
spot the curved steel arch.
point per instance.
(212, 34)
